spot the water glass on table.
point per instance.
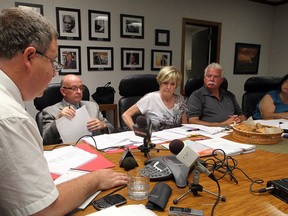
(138, 185)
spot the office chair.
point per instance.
(255, 88)
(196, 82)
(132, 88)
(51, 96)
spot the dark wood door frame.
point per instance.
(215, 42)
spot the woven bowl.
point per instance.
(256, 138)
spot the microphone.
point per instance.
(175, 146)
(128, 161)
(143, 127)
(187, 156)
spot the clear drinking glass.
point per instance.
(138, 185)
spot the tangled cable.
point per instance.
(221, 165)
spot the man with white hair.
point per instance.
(212, 106)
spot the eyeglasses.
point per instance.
(56, 65)
(74, 88)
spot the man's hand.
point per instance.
(95, 124)
(69, 112)
(232, 120)
(108, 178)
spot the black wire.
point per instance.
(223, 166)
(60, 145)
(95, 144)
(217, 199)
(226, 166)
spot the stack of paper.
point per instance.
(201, 149)
(229, 147)
(105, 141)
(206, 147)
(211, 130)
(83, 157)
(62, 159)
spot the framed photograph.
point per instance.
(70, 57)
(132, 26)
(132, 59)
(100, 58)
(160, 58)
(162, 37)
(99, 25)
(68, 23)
(246, 60)
(36, 7)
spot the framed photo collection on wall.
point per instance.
(68, 23)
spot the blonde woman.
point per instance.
(164, 108)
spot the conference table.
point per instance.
(239, 199)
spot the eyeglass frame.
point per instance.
(75, 88)
(55, 64)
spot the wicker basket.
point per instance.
(256, 138)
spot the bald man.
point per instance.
(72, 91)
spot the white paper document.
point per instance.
(125, 138)
(166, 135)
(196, 146)
(282, 123)
(125, 210)
(72, 129)
(71, 174)
(211, 130)
(175, 133)
(229, 147)
(63, 159)
(104, 141)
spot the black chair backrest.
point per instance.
(195, 82)
(51, 96)
(132, 88)
(255, 88)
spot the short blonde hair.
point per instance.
(168, 74)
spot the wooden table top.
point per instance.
(240, 201)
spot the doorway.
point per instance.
(200, 46)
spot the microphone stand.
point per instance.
(146, 147)
(195, 187)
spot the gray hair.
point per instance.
(23, 27)
(216, 66)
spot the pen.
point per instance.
(120, 188)
(193, 129)
(197, 138)
(76, 169)
(69, 106)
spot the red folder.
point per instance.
(99, 162)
